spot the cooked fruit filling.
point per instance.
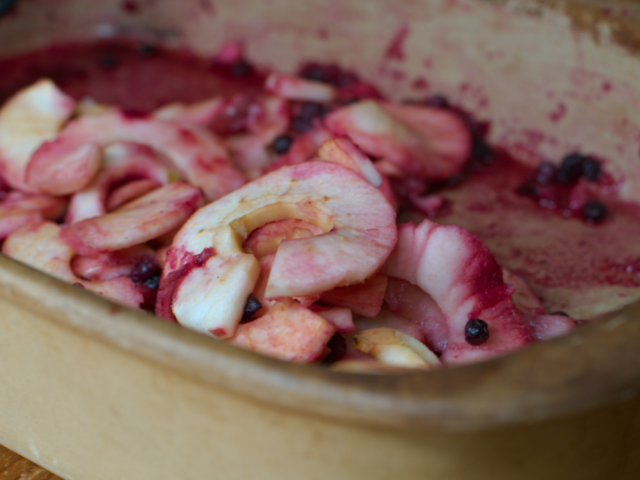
(301, 216)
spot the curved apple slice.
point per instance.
(110, 265)
(196, 153)
(459, 272)
(20, 209)
(28, 119)
(130, 192)
(343, 151)
(429, 142)
(359, 228)
(144, 219)
(124, 163)
(266, 239)
(296, 88)
(41, 246)
(393, 347)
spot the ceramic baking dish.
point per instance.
(95, 391)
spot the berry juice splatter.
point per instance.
(136, 76)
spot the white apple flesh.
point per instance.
(27, 120)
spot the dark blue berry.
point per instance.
(350, 101)
(146, 50)
(282, 144)
(6, 6)
(303, 121)
(438, 101)
(153, 282)
(240, 69)
(527, 190)
(250, 308)
(591, 169)
(480, 150)
(146, 273)
(594, 212)
(570, 169)
(316, 73)
(545, 174)
(109, 61)
(338, 346)
(476, 331)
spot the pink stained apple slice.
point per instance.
(426, 322)
(107, 266)
(359, 233)
(343, 151)
(341, 318)
(428, 142)
(131, 191)
(455, 268)
(268, 117)
(296, 88)
(144, 219)
(288, 332)
(362, 298)
(41, 246)
(20, 209)
(28, 119)
(196, 153)
(200, 113)
(124, 163)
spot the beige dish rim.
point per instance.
(564, 376)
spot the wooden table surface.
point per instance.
(14, 467)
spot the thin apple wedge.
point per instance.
(41, 246)
(144, 219)
(27, 120)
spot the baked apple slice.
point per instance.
(458, 271)
(296, 88)
(359, 233)
(287, 331)
(428, 142)
(144, 219)
(125, 164)
(196, 153)
(27, 120)
(343, 151)
(41, 246)
(20, 209)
